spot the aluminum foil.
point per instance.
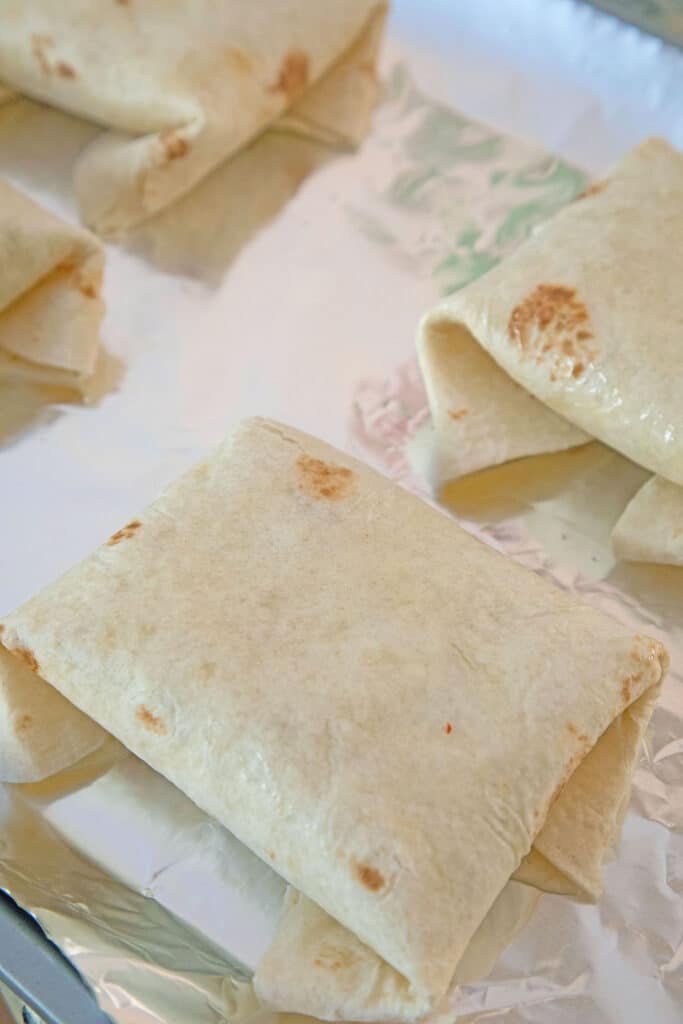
(663, 18)
(161, 910)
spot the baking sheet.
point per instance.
(326, 296)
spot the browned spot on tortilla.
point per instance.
(448, 728)
(208, 669)
(27, 656)
(125, 533)
(593, 190)
(88, 290)
(2, 629)
(457, 414)
(571, 728)
(39, 44)
(293, 75)
(271, 854)
(150, 721)
(552, 325)
(582, 738)
(22, 723)
(332, 958)
(323, 480)
(368, 876)
(65, 70)
(174, 146)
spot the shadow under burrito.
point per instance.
(197, 236)
(501, 491)
(23, 406)
(201, 234)
(568, 500)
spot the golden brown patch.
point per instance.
(571, 728)
(457, 414)
(293, 75)
(23, 723)
(448, 728)
(582, 738)
(323, 480)
(150, 720)
(271, 854)
(174, 146)
(88, 290)
(334, 959)
(125, 533)
(39, 44)
(2, 629)
(27, 656)
(65, 70)
(208, 669)
(553, 325)
(593, 190)
(628, 685)
(368, 876)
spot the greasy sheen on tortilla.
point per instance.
(394, 716)
(587, 315)
(179, 86)
(50, 301)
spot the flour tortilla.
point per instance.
(40, 732)
(588, 314)
(480, 416)
(378, 705)
(180, 86)
(314, 963)
(651, 528)
(50, 301)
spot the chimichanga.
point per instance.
(394, 716)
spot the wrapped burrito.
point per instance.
(180, 86)
(575, 335)
(50, 302)
(395, 717)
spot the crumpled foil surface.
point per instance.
(160, 909)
